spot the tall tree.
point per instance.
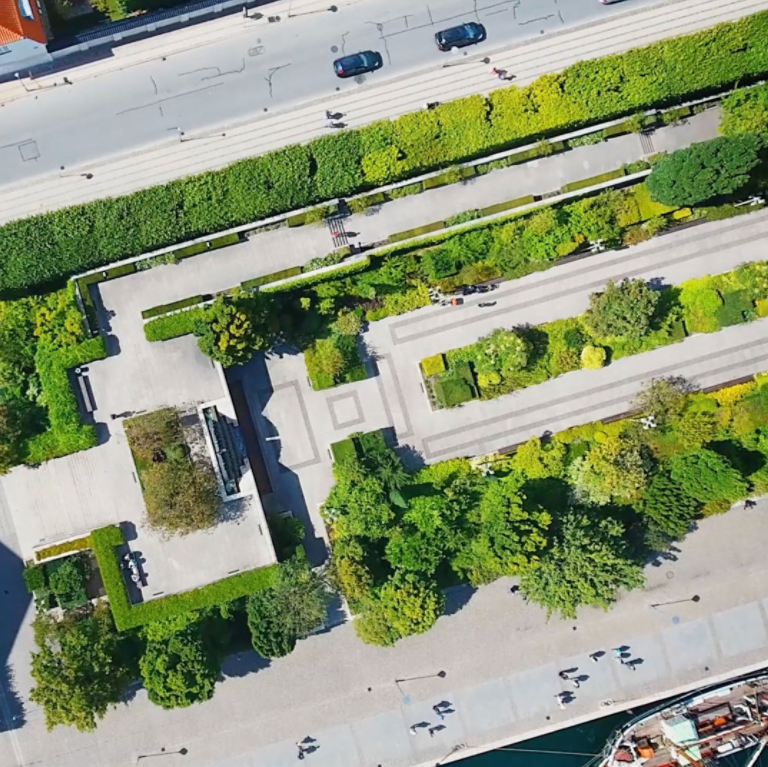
(179, 670)
(79, 669)
(294, 605)
(664, 398)
(587, 565)
(703, 171)
(669, 507)
(707, 476)
(622, 311)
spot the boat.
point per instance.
(696, 730)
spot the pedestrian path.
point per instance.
(210, 150)
(277, 250)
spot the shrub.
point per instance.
(67, 578)
(148, 434)
(343, 450)
(66, 433)
(622, 310)
(409, 234)
(433, 365)
(184, 303)
(707, 476)
(592, 357)
(405, 191)
(592, 181)
(174, 325)
(63, 548)
(313, 278)
(745, 111)
(283, 274)
(703, 171)
(34, 578)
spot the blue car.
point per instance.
(358, 64)
(457, 37)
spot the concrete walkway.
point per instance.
(155, 164)
(272, 251)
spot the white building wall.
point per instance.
(22, 55)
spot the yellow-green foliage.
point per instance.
(63, 548)
(593, 357)
(433, 365)
(733, 394)
(649, 208)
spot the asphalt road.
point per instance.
(268, 67)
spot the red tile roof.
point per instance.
(14, 27)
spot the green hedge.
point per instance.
(66, 433)
(44, 248)
(173, 325)
(293, 271)
(343, 449)
(157, 311)
(499, 207)
(129, 616)
(408, 234)
(313, 278)
(63, 548)
(203, 247)
(592, 181)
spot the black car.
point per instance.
(358, 64)
(457, 37)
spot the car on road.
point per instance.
(458, 37)
(358, 64)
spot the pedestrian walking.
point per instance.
(631, 665)
(618, 653)
(300, 746)
(440, 714)
(576, 683)
(563, 674)
(514, 589)
(594, 656)
(412, 729)
(431, 732)
(749, 504)
(561, 700)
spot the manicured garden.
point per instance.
(43, 249)
(41, 338)
(624, 319)
(180, 494)
(575, 516)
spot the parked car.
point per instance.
(358, 64)
(457, 37)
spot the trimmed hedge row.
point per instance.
(128, 616)
(66, 433)
(173, 325)
(63, 548)
(157, 311)
(284, 274)
(313, 278)
(44, 248)
(593, 181)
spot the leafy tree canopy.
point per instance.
(79, 670)
(587, 565)
(295, 605)
(664, 398)
(180, 670)
(707, 476)
(613, 469)
(702, 171)
(623, 310)
(502, 351)
(537, 461)
(507, 538)
(668, 506)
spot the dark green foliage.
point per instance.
(707, 476)
(179, 670)
(622, 310)
(294, 606)
(586, 565)
(129, 616)
(67, 578)
(737, 307)
(343, 450)
(668, 506)
(34, 578)
(156, 311)
(704, 171)
(78, 669)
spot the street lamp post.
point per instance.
(406, 697)
(162, 752)
(695, 598)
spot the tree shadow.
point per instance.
(457, 598)
(243, 663)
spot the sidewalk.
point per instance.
(174, 159)
(273, 251)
